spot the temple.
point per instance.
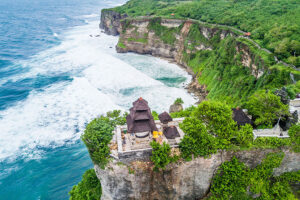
(140, 120)
(132, 141)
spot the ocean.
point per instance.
(57, 72)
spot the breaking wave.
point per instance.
(93, 80)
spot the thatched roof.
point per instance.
(240, 117)
(140, 118)
(165, 118)
(171, 132)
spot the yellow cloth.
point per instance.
(155, 134)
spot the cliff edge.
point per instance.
(184, 180)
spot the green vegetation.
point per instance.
(217, 117)
(273, 24)
(178, 101)
(210, 127)
(183, 113)
(89, 188)
(266, 108)
(141, 40)
(167, 35)
(244, 136)
(234, 180)
(161, 155)
(121, 45)
(98, 134)
(219, 64)
(294, 133)
(196, 141)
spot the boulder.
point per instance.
(284, 97)
(175, 108)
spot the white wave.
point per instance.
(90, 16)
(50, 118)
(55, 34)
(102, 80)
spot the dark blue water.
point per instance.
(28, 27)
(57, 72)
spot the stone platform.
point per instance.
(127, 147)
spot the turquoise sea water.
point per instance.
(57, 72)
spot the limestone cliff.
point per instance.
(136, 36)
(173, 40)
(186, 180)
(110, 22)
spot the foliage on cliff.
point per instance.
(196, 141)
(161, 155)
(234, 180)
(294, 133)
(89, 188)
(273, 24)
(266, 108)
(98, 134)
(210, 127)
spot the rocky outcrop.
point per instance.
(110, 22)
(186, 180)
(176, 107)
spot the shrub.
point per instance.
(266, 108)
(245, 136)
(178, 101)
(271, 142)
(260, 177)
(217, 118)
(98, 134)
(196, 141)
(294, 133)
(161, 155)
(234, 180)
(230, 182)
(89, 188)
(183, 113)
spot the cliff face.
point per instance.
(136, 36)
(187, 180)
(110, 22)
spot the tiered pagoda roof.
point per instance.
(140, 118)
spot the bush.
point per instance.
(234, 180)
(196, 141)
(217, 118)
(98, 134)
(178, 101)
(294, 133)
(266, 108)
(230, 182)
(271, 142)
(183, 113)
(161, 155)
(89, 188)
(245, 136)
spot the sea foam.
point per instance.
(101, 80)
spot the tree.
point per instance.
(196, 141)
(266, 108)
(89, 188)
(217, 118)
(98, 134)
